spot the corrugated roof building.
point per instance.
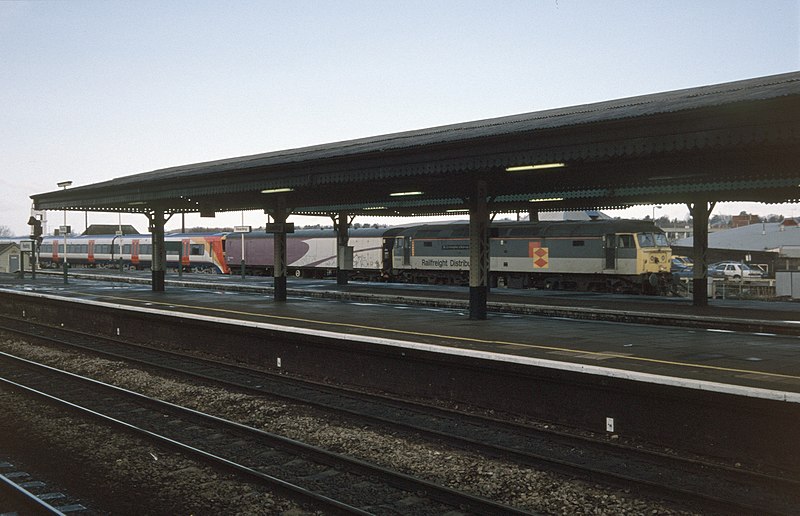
(775, 243)
(9, 257)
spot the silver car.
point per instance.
(734, 270)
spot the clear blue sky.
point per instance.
(91, 90)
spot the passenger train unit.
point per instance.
(601, 255)
(194, 252)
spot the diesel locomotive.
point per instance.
(602, 255)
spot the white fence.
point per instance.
(787, 284)
(720, 288)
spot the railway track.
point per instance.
(21, 493)
(331, 481)
(707, 485)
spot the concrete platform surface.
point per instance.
(751, 363)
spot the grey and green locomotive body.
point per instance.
(602, 255)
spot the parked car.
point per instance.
(681, 267)
(734, 270)
(681, 261)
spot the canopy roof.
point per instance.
(726, 142)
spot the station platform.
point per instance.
(748, 348)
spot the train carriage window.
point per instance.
(126, 249)
(427, 244)
(146, 249)
(625, 241)
(578, 243)
(85, 248)
(197, 250)
(46, 248)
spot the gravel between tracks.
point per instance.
(498, 480)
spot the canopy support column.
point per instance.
(344, 254)
(478, 252)
(159, 253)
(700, 210)
(279, 229)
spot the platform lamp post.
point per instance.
(657, 207)
(65, 229)
(243, 229)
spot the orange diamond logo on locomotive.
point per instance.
(541, 256)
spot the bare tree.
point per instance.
(5, 231)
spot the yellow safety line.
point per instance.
(470, 339)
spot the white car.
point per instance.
(734, 270)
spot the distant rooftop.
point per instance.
(762, 236)
(110, 229)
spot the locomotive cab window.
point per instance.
(652, 239)
(646, 240)
(427, 244)
(578, 243)
(625, 241)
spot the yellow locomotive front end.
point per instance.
(653, 253)
(653, 261)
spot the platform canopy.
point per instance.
(737, 141)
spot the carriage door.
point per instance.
(611, 251)
(90, 253)
(401, 251)
(135, 252)
(388, 249)
(185, 252)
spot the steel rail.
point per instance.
(399, 480)
(30, 501)
(741, 481)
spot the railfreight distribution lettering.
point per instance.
(444, 263)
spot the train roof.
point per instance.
(131, 236)
(550, 228)
(329, 233)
